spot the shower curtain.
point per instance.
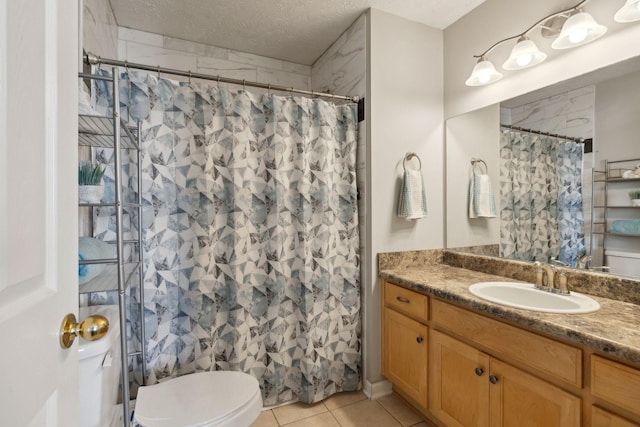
(541, 198)
(250, 235)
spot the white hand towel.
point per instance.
(412, 203)
(481, 201)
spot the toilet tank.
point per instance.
(623, 263)
(99, 371)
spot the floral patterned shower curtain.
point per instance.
(250, 234)
(541, 198)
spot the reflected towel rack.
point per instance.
(410, 156)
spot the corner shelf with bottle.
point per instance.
(112, 260)
(615, 212)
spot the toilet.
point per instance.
(203, 399)
(99, 372)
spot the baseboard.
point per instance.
(378, 389)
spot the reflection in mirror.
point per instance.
(556, 173)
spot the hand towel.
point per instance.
(481, 201)
(412, 203)
(625, 226)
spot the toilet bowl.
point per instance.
(203, 399)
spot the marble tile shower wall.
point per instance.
(169, 52)
(571, 114)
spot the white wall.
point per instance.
(617, 130)
(497, 19)
(617, 109)
(404, 113)
(472, 135)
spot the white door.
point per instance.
(38, 211)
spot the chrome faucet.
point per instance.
(549, 279)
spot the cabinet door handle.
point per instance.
(493, 379)
(479, 371)
(419, 340)
(403, 300)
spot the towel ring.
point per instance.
(410, 156)
(474, 162)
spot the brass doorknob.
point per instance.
(92, 328)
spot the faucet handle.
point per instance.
(555, 261)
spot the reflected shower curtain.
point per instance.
(251, 236)
(541, 198)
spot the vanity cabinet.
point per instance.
(470, 388)
(463, 368)
(405, 339)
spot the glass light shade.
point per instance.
(629, 12)
(524, 54)
(483, 73)
(579, 29)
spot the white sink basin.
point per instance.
(525, 296)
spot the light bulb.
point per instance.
(524, 60)
(578, 35)
(484, 78)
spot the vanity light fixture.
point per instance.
(524, 54)
(578, 28)
(483, 73)
(629, 12)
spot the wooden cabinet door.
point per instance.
(458, 382)
(520, 399)
(405, 355)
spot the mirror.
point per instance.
(602, 106)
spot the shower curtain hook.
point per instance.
(244, 87)
(126, 66)
(269, 89)
(218, 82)
(291, 91)
(158, 71)
(189, 76)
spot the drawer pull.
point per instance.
(479, 371)
(419, 340)
(403, 300)
(493, 379)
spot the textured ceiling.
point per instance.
(292, 30)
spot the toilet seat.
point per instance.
(203, 399)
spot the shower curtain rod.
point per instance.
(537, 132)
(92, 59)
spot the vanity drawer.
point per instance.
(545, 355)
(405, 301)
(616, 383)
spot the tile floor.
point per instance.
(344, 410)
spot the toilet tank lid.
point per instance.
(87, 349)
(624, 254)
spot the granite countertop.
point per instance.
(612, 330)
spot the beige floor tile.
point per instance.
(265, 419)
(367, 413)
(297, 411)
(325, 419)
(345, 398)
(400, 410)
